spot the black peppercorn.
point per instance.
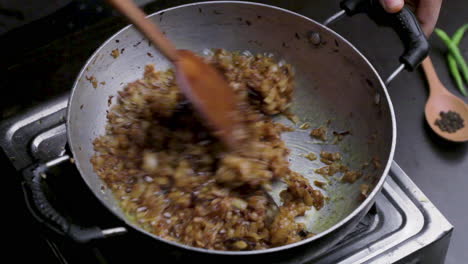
(450, 122)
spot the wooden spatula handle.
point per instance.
(149, 29)
(434, 82)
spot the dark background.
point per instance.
(40, 59)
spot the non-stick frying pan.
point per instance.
(335, 84)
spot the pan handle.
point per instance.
(403, 22)
(40, 207)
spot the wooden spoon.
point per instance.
(201, 83)
(441, 100)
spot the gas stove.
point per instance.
(402, 227)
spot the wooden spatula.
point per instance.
(201, 83)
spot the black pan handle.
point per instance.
(40, 207)
(403, 22)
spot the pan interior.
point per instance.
(335, 87)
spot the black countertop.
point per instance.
(35, 70)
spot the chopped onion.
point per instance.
(150, 161)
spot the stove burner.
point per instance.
(403, 225)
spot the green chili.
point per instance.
(455, 73)
(458, 36)
(455, 52)
(456, 39)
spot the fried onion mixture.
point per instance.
(172, 178)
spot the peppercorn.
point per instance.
(450, 122)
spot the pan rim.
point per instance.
(348, 218)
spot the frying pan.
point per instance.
(335, 85)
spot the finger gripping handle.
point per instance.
(403, 22)
(414, 40)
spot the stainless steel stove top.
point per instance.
(402, 227)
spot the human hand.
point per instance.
(427, 11)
